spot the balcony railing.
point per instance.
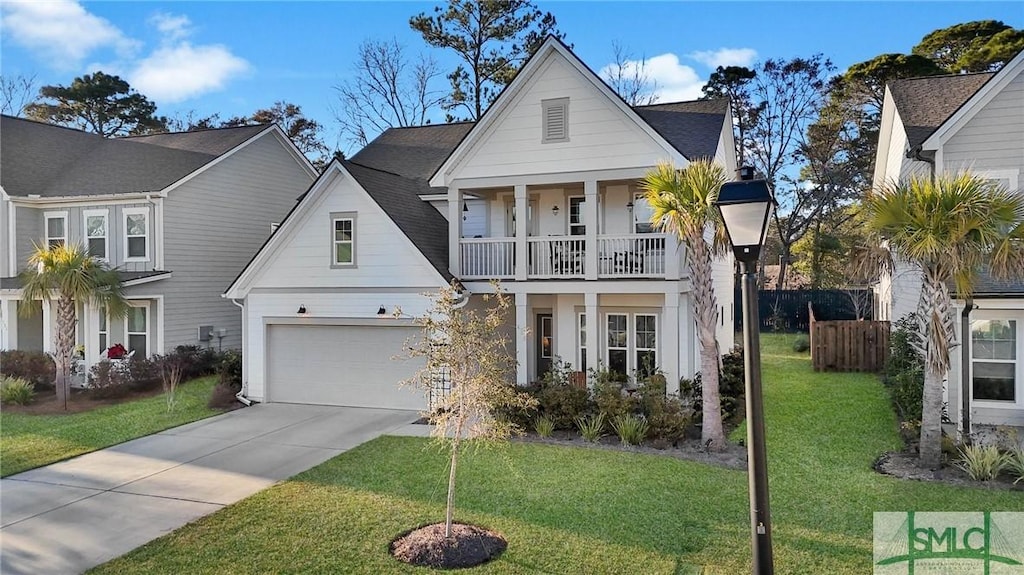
(564, 257)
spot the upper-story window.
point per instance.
(96, 232)
(555, 119)
(136, 234)
(577, 225)
(56, 228)
(642, 212)
(343, 239)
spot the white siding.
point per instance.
(214, 224)
(994, 138)
(384, 256)
(600, 135)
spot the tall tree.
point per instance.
(953, 227)
(629, 78)
(733, 82)
(15, 93)
(99, 103)
(70, 275)
(191, 121)
(387, 90)
(864, 82)
(303, 132)
(976, 46)
(683, 204)
(492, 38)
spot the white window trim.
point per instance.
(581, 330)
(568, 215)
(1012, 175)
(631, 346)
(47, 216)
(149, 232)
(1018, 402)
(342, 216)
(608, 349)
(545, 106)
(105, 214)
(149, 326)
(657, 340)
(550, 321)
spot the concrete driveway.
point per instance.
(70, 516)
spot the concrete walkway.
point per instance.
(67, 517)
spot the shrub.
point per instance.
(110, 380)
(631, 429)
(222, 397)
(904, 370)
(544, 426)
(195, 361)
(34, 367)
(801, 344)
(562, 404)
(558, 374)
(731, 388)
(1015, 464)
(591, 427)
(667, 418)
(611, 400)
(981, 463)
(15, 391)
(229, 370)
(144, 374)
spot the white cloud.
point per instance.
(61, 31)
(725, 57)
(178, 72)
(674, 81)
(171, 27)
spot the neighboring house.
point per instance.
(950, 123)
(178, 215)
(542, 193)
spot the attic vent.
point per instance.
(556, 120)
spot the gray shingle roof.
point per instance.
(693, 128)
(413, 152)
(51, 161)
(924, 104)
(988, 286)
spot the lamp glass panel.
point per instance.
(745, 222)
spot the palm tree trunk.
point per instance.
(705, 309)
(936, 323)
(65, 341)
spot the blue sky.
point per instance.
(232, 58)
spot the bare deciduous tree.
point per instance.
(388, 90)
(16, 92)
(629, 78)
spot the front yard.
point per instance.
(28, 441)
(577, 510)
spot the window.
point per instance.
(1007, 179)
(618, 343)
(994, 355)
(96, 232)
(137, 330)
(577, 227)
(56, 229)
(646, 343)
(343, 240)
(136, 234)
(642, 212)
(103, 330)
(583, 342)
(555, 119)
(545, 337)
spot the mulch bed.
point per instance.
(468, 546)
(732, 457)
(903, 464)
(45, 402)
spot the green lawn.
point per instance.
(574, 510)
(28, 441)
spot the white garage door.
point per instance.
(341, 365)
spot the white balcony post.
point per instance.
(673, 256)
(522, 340)
(594, 346)
(522, 224)
(590, 217)
(669, 348)
(455, 230)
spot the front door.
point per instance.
(545, 343)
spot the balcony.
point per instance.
(565, 257)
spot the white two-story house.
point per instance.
(946, 124)
(542, 194)
(178, 215)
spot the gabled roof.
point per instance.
(693, 127)
(52, 161)
(924, 104)
(414, 152)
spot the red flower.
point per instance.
(116, 351)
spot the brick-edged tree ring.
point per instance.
(468, 546)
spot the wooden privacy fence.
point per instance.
(848, 345)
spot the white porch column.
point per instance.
(9, 329)
(565, 329)
(669, 351)
(522, 340)
(687, 347)
(454, 230)
(674, 252)
(522, 231)
(48, 346)
(591, 219)
(594, 347)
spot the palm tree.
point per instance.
(954, 227)
(70, 275)
(683, 204)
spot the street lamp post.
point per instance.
(745, 206)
